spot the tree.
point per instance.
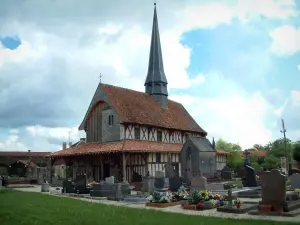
(259, 147)
(271, 162)
(235, 160)
(227, 146)
(277, 148)
(296, 151)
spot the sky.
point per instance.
(234, 65)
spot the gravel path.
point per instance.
(178, 209)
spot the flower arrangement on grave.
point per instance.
(160, 197)
(237, 203)
(201, 198)
(297, 191)
(181, 194)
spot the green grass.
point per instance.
(35, 208)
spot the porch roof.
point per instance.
(120, 146)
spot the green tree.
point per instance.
(271, 162)
(296, 151)
(277, 148)
(259, 147)
(235, 160)
(227, 146)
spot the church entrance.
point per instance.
(106, 170)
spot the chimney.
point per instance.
(64, 145)
(82, 139)
(70, 143)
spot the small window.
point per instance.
(110, 120)
(158, 157)
(159, 136)
(157, 84)
(137, 133)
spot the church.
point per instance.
(130, 132)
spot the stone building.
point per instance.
(129, 131)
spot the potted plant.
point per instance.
(238, 203)
(297, 191)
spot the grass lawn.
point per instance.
(36, 208)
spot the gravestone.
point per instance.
(80, 184)
(148, 184)
(161, 183)
(110, 180)
(292, 171)
(273, 188)
(226, 173)
(295, 181)
(250, 177)
(198, 183)
(175, 183)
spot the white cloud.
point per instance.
(234, 115)
(60, 133)
(12, 143)
(286, 40)
(117, 46)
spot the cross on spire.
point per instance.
(100, 77)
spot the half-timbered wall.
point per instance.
(221, 161)
(151, 134)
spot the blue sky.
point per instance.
(235, 65)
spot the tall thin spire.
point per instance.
(156, 81)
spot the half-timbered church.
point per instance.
(130, 132)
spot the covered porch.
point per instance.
(128, 160)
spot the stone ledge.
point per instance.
(161, 205)
(293, 213)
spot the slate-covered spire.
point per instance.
(156, 81)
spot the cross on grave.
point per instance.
(229, 197)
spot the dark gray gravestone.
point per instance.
(80, 184)
(250, 177)
(175, 183)
(295, 181)
(273, 188)
(226, 173)
(292, 171)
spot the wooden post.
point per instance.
(101, 167)
(124, 166)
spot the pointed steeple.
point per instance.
(156, 81)
(214, 143)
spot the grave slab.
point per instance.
(245, 207)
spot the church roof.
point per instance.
(140, 108)
(201, 143)
(120, 146)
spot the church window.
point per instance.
(137, 133)
(159, 136)
(158, 157)
(110, 119)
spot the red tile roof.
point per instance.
(127, 146)
(140, 108)
(23, 154)
(222, 152)
(258, 153)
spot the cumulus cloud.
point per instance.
(47, 83)
(286, 40)
(234, 115)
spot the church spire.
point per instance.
(156, 81)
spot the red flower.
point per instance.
(200, 205)
(216, 196)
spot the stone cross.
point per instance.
(229, 197)
(100, 77)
